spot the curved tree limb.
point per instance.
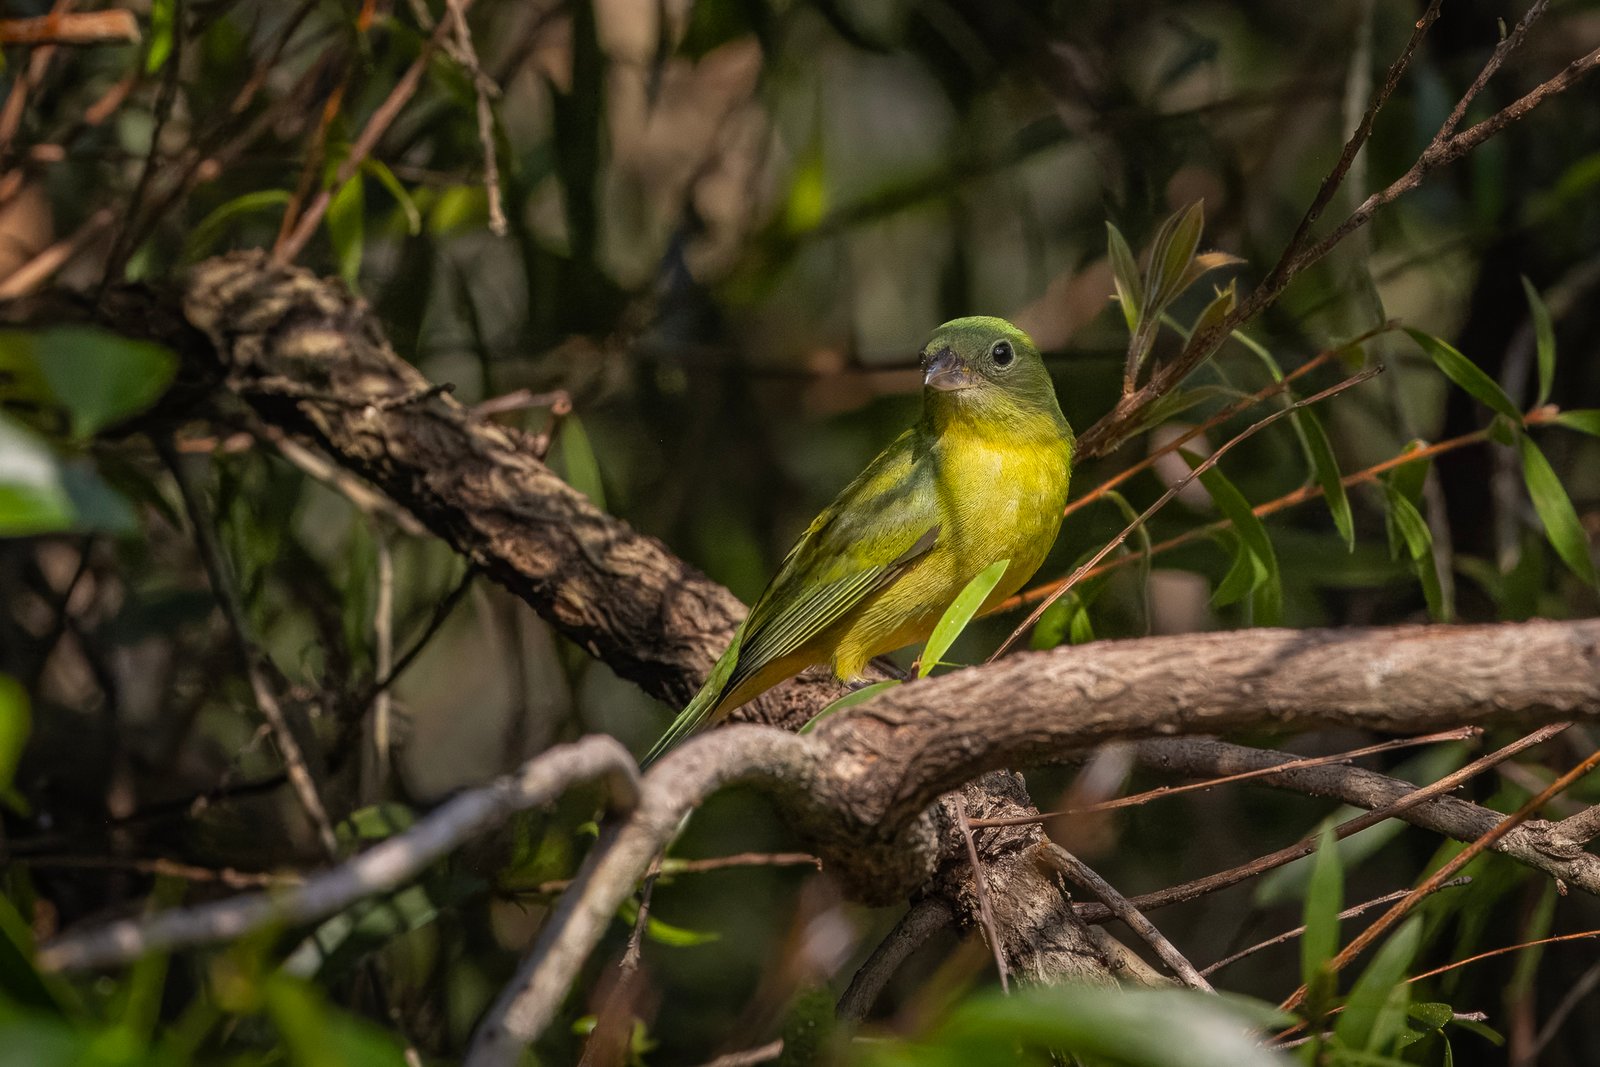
(380, 869)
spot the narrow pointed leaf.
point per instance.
(1204, 264)
(1372, 1018)
(1242, 579)
(1560, 519)
(1407, 526)
(1324, 901)
(1171, 253)
(1467, 374)
(958, 614)
(849, 700)
(1544, 335)
(1220, 308)
(1125, 274)
(1326, 468)
(1586, 421)
(1248, 525)
(346, 218)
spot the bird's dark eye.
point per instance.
(1002, 354)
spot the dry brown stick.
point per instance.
(379, 122)
(1212, 883)
(22, 84)
(34, 273)
(1243, 404)
(484, 90)
(227, 595)
(1177, 487)
(1579, 829)
(1078, 871)
(72, 28)
(384, 867)
(671, 866)
(1503, 950)
(1163, 792)
(750, 1057)
(1348, 913)
(228, 876)
(980, 885)
(1388, 919)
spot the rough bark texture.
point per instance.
(312, 360)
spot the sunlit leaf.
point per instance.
(958, 614)
(1204, 264)
(163, 24)
(1555, 510)
(1373, 1017)
(1465, 373)
(665, 933)
(1544, 334)
(849, 700)
(1125, 275)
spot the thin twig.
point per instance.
(1388, 919)
(1348, 913)
(981, 888)
(1204, 465)
(1574, 996)
(670, 866)
(750, 1057)
(1503, 950)
(1243, 404)
(484, 90)
(227, 594)
(166, 868)
(75, 28)
(921, 921)
(1212, 883)
(441, 612)
(1162, 792)
(384, 867)
(382, 665)
(1080, 872)
(362, 147)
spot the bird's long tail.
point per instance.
(699, 710)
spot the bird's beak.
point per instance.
(947, 373)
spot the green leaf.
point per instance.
(1125, 275)
(380, 170)
(94, 377)
(1132, 1028)
(1326, 468)
(1372, 1017)
(1584, 421)
(1251, 531)
(33, 496)
(374, 823)
(318, 1035)
(1561, 525)
(665, 933)
(205, 235)
(958, 614)
(1408, 527)
(1466, 374)
(578, 463)
(849, 700)
(1243, 578)
(1220, 307)
(16, 721)
(346, 221)
(1171, 254)
(163, 20)
(1544, 334)
(1324, 901)
(20, 982)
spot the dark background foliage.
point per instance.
(731, 223)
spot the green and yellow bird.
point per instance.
(981, 477)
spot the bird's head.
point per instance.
(984, 367)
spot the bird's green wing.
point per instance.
(879, 524)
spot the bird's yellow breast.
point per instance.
(1001, 497)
